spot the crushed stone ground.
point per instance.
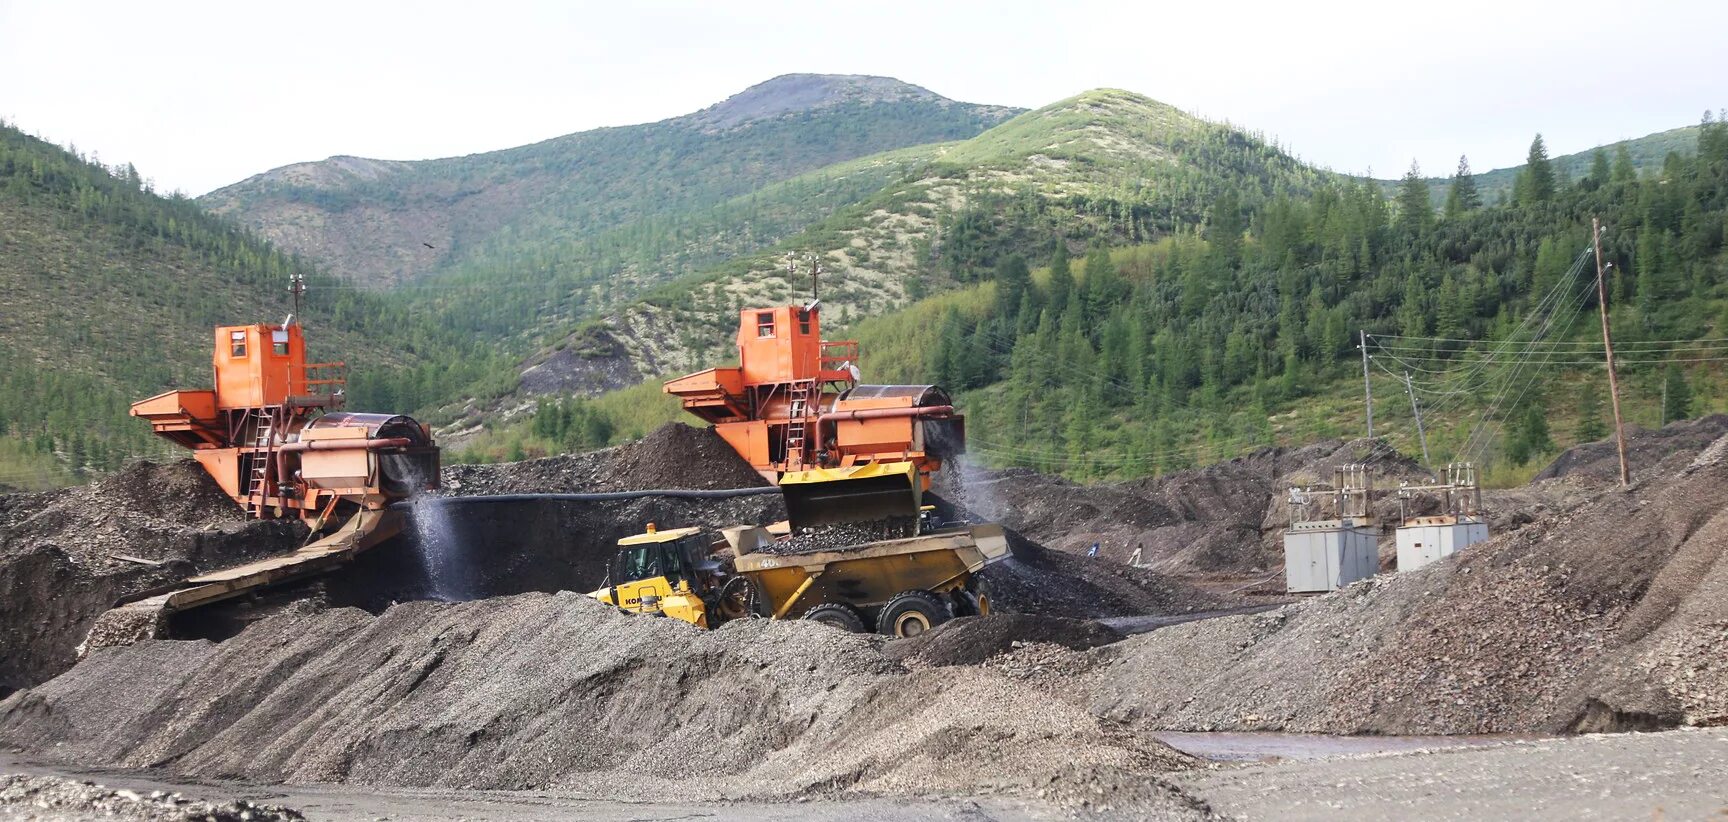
(69, 800)
(554, 690)
(1603, 618)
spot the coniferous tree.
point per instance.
(1415, 209)
(1590, 427)
(1462, 197)
(1061, 279)
(1013, 281)
(1624, 171)
(1600, 171)
(1529, 436)
(1537, 176)
(1676, 395)
(1224, 228)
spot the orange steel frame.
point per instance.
(771, 407)
(265, 394)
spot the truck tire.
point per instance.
(911, 613)
(979, 587)
(839, 615)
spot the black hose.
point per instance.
(607, 496)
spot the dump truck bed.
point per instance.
(868, 575)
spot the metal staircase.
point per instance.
(263, 454)
(798, 394)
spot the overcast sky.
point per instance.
(199, 95)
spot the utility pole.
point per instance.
(296, 287)
(1608, 349)
(1414, 409)
(1367, 388)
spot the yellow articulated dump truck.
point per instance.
(900, 587)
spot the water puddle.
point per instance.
(1267, 746)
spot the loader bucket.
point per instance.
(859, 493)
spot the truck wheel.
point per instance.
(980, 590)
(839, 615)
(911, 613)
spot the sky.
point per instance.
(198, 95)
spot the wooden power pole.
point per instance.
(1608, 350)
(1416, 411)
(1367, 387)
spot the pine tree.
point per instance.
(1538, 175)
(1061, 279)
(1590, 427)
(1676, 395)
(1462, 197)
(1415, 209)
(1624, 171)
(1013, 280)
(1224, 228)
(1529, 437)
(1600, 171)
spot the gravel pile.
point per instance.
(1644, 448)
(1037, 580)
(1220, 520)
(1611, 616)
(554, 691)
(674, 455)
(971, 640)
(58, 798)
(841, 535)
(61, 554)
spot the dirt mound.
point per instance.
(1037, 580)
(61, 554)
(1613, 615)
(1223, 519)
(674, 455)
(971, 640)
(1645, 449)
(554, 691)
(56, 797)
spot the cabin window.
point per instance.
(804, 323)
(765, 324)
(236, 343)
(279, 342)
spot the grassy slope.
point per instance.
(109, 293)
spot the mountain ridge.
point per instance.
(384, 222)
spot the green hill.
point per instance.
(538, 206)
(1105, 164)
(1184, 343)
(108, 293)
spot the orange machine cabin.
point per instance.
(259, 365)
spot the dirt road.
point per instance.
(1670, 775)
(360, 803)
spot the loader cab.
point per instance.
(661, 572)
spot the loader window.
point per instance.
(765, 325)
(279, 343)
(236, 344)
(639, 563)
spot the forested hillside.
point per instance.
(1106, 164)
(1244, 331)
(108, 293)
(1114, 287)
(1081, 351)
